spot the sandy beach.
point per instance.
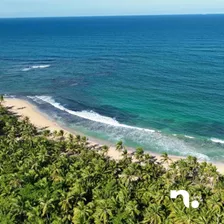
(40, 120)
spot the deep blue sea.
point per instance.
(150, 81)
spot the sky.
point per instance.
(48, 8)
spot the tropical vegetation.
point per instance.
(46, 177)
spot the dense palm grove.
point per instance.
(47, 178)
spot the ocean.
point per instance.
(150, 81)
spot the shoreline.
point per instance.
(26, 109)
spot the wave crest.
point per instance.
(115, 130)
(35, 67)
(216, 140)
(89, 115)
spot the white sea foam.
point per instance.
(89, 115)
(26, 69)
(216, 140)
(35, 67)
(9, 96)
(41, 66)
(115, 130)
(187, 136)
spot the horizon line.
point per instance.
(124, 15)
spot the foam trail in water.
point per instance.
(35, 67)
(89, 115)
(216, 140)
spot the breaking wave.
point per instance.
(35, 67)
(216, 140)
(115, 130)
(89, 115)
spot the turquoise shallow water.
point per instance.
(151, 81)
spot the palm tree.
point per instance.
(165, 158)
(65, 205)
(139, 153)
(47, 133)
(132, 209)
(61, 135)
(119, 146)
(44, 180)
(46, 205)
(71, 138)
(104, 211)
(154, 214)
(55, 133)
(206, 217)
(105, 150)
(1, 99)
(82, 213)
